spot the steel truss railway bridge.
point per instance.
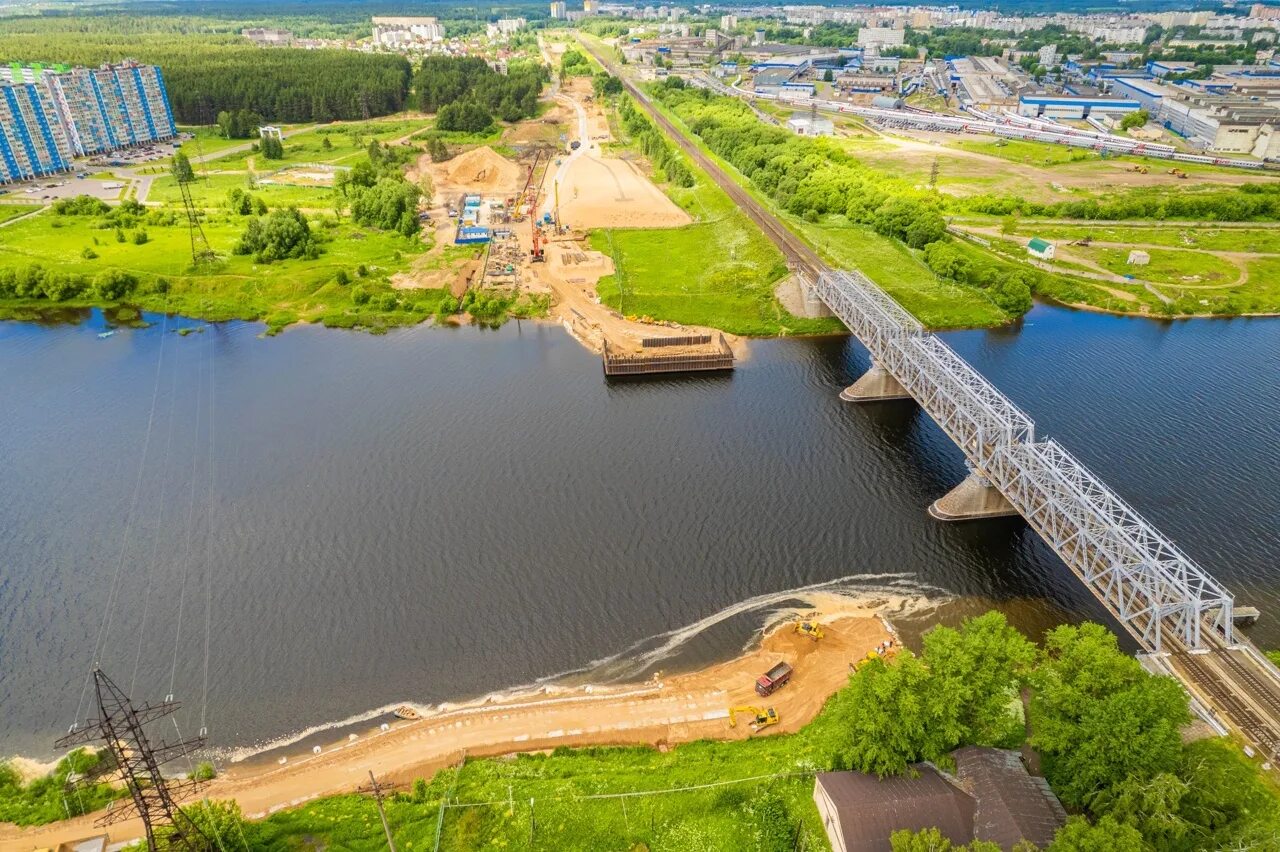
(1179, 614)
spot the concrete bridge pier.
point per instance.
(874, 385)
(973, 499)
(811, 304)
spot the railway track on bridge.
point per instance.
(800, 257)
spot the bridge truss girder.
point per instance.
(1142, 577)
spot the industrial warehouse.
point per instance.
(51, 114)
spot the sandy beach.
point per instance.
(660, 712)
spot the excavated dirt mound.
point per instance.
(483, 169)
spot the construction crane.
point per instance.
(761, 718)
(810, 627)
(539, 246)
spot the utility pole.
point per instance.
(120, 725)
(377, 795)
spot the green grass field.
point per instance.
(346, 143)
(718, 272)
(1167, 266)
(9, 212)
(893, 266)
(237, 287)
(1244, 239)
(211, 192)
(1030, 153)
(887, 262)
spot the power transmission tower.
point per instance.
(120, 724)
(201, 252)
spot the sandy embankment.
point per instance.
(672, 710)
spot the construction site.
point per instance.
(521, 225)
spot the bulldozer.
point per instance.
(1140, 169)
(762, 718)
(871, 655)
(809, 627)
(1178, 173)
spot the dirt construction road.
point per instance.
(677, 709)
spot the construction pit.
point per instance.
(538, 211)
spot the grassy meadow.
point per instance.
(720, 271)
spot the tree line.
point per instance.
(813, 178)
(466, 94)
(206, 74)
(1246, 203)
(653, 142)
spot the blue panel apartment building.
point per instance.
(50, 115)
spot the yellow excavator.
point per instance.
(810, 627)
(762, 718)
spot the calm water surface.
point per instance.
(437, 513)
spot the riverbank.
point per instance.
(657, 713)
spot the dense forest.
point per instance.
(467, 94)
(208, 70)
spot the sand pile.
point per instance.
(612, 193)
(483, 169)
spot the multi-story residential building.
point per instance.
(881, 37)
(115, 106)
(268, 36)
(32, 141)
(51, 114)
(505, 27)
(403, 31)
(558, 10)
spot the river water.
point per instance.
(438, 513)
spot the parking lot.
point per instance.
(65, 186)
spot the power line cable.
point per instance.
(104, 629)
(159, 525)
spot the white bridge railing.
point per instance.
(1141, 576)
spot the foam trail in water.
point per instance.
(885, 594)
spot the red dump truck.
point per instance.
(774, 679)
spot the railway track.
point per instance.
(799, 256)
(1225, 696)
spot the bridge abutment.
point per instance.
(973, 499)
(874, 385)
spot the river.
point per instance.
(437, 513)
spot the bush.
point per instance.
(281, 235)
(88, 253)
(391, 204)
(272, 148)
(114, 284)
(81, 205)
(574, 64)
(342, 278)
(140, 237)
(464, 117)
